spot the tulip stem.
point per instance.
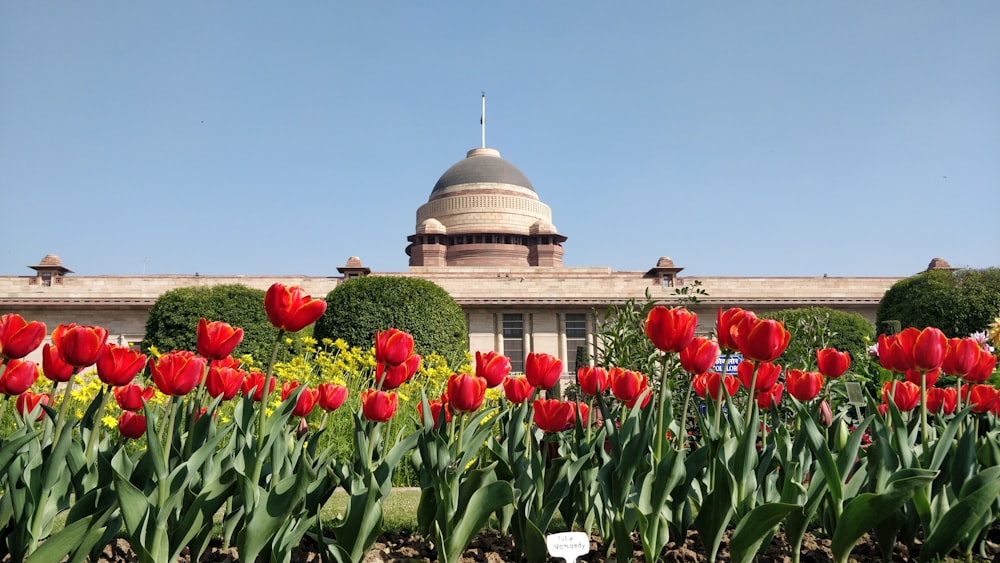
(264, 398)
(95, 432)
(684, 413)
(924, 429)
(64, 407)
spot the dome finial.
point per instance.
(482, 119)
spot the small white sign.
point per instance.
(568, 545)
(854, 394)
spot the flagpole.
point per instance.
(482, 120)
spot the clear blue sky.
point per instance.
(739, 138)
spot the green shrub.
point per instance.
(173, 320)
(822, 327)
(959, 302)
(358, 308)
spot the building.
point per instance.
(485, 236)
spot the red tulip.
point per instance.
(517, 389)
(593, 380)
(436, 406)
(905, 395)
(225, 382)
(710, 383)
(553, 415)
(962, 357)
(832, 363)
(982, 398)
(131, 425)
(18, 338)
(227, 362)
(584, 411)
(725, 322)
(306, 402)
(627, 385)
(770, 398)
(762, 340)
(27, 402)
(670, 330)
(929, 349)
(53, 366)
(392, 347)
(984, 368)
(177, 373)
(118, 365)
(466, 392)
(542, 370)
(392, 377)
(914, 376)
(941, 400)
(132, 396)
(18, 376)
(80, 346)
(803, 385)
(699, 356)
(331, 396)
(767, 375)
(254, 384)
(216, 339)
(492, 367)
(377, 405)
(895, 352)
(289, 309)
(642, 396)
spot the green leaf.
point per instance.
(715, 513)
(965, 517)
(757, 525)
(481, 505)
(867, 510)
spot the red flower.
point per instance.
(377, 405)
(642, 396)
(832, 363)
(905, 395)
(767, 375)
(803, 385)
(670, 330)
(254, 383)
(593, 380)
(699, 356)
(517, 389)
(542, 370)
(913, 376)
(331, 396)
(18, 376)
(306, 401)
(53, 366)
(392, 347)
(929, 349)
(216, 339)
(436, 406)
(709, 384)
(725, 322)
(762, 340)
(941, 400)
(895, 352)
(224, 381)
(962, 357)
(131, 425)
(177, 373)
(80, 345)
(392, 377)
(27, 402)
(553, 415)
(627, 385)
(18, 338)
(132, 396)
(492, 367)
(982, 398)
(118, 365)
(983, 370)
(466, 392)
(289, 309)
(770, 398)
(227, 362)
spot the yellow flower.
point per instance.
(994, 332)
(109, 421)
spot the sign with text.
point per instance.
(734, 360)
(568, 545)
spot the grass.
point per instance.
(399, 510)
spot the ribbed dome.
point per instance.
(482, 166)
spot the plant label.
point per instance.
(568, 545)
(854, 395)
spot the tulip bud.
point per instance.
(825, 414)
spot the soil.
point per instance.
(490, 547)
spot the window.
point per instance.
(513, 340)
(576, 338)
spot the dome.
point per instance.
(482, 166)
(431, 226)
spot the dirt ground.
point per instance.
(490, 547)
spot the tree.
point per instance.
(959, 302)
(173, 320)
(822, 327)
(359, 307)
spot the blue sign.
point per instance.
(730, 368)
